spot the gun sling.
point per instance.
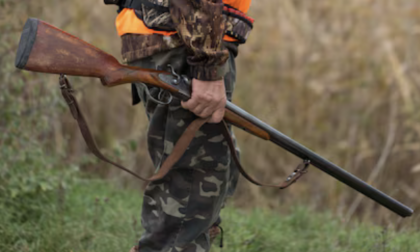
(178, 150)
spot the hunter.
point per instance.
(198, 39)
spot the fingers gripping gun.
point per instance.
(47, 49)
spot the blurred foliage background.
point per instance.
(341, 77)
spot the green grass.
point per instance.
(306, 231)
(96, 216)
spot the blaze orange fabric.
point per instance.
(242, 5)
(127, 21)
(229, 38)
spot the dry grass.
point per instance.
(341, 77)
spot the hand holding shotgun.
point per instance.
(208, 98)
(44, 48)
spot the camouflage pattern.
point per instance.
(156, 18)
(179, 209)
(200, 25)
(139, 46)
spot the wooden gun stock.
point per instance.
(47, 49)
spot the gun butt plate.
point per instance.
(27, 40)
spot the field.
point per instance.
(341, 77)
(95, 215)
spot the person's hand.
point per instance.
(208, 99)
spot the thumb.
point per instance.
(184, 104)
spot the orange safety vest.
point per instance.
(128, 22)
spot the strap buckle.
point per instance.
(64, 83)
(300, 170)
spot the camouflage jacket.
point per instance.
(200, 27)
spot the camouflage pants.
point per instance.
(179, 209)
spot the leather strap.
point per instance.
(299, 171)
(178, 150)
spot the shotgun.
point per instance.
(45, 48)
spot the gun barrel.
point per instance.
(323, 164)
